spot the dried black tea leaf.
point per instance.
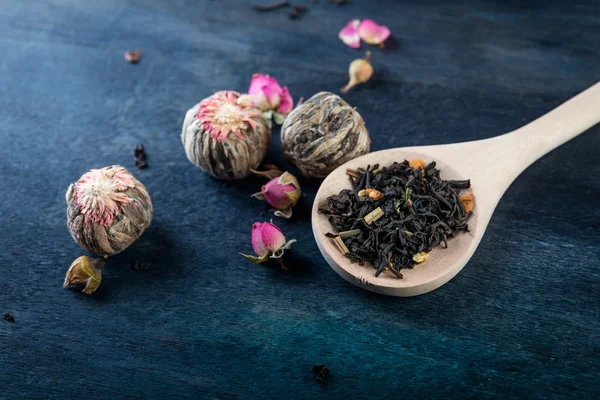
(139, 154)
(140, 266)
(270, 7)
(393, 216)
(322, 373)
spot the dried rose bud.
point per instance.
(268, 95)
(87, 272)
(268, 243)
(225, 138)
(282, 193)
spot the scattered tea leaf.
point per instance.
(297, 12)
(322, 373)
(140, 266)
(139, 154)
(270, 7)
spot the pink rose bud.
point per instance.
(287, 103)
(268, 242)
(270, 236)
(257, 241)
(282, 193)
(268, 95)
(263, 87)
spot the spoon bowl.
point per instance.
(490, 164)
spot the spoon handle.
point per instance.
(553, 129)
(493, 164)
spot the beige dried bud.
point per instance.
(360, 71)
(225, 136)
(86, 272)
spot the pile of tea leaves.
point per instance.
(393, 216)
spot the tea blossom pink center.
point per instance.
(220, 115)
(99, 194)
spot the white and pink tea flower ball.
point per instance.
(108, 209)
(225, 137)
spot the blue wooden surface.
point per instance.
(521, 320)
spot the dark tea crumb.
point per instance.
(140, 164)
(296, 12)
(133, 57)
(140, 266)
(393, 216)
(139, 154)
(271, 7)
(322, 373)
(9, 317)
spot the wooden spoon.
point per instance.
(491, 164)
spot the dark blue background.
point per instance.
(521, 319)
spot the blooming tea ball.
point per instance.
(225, 137)
(108, 209)
(323, 133)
